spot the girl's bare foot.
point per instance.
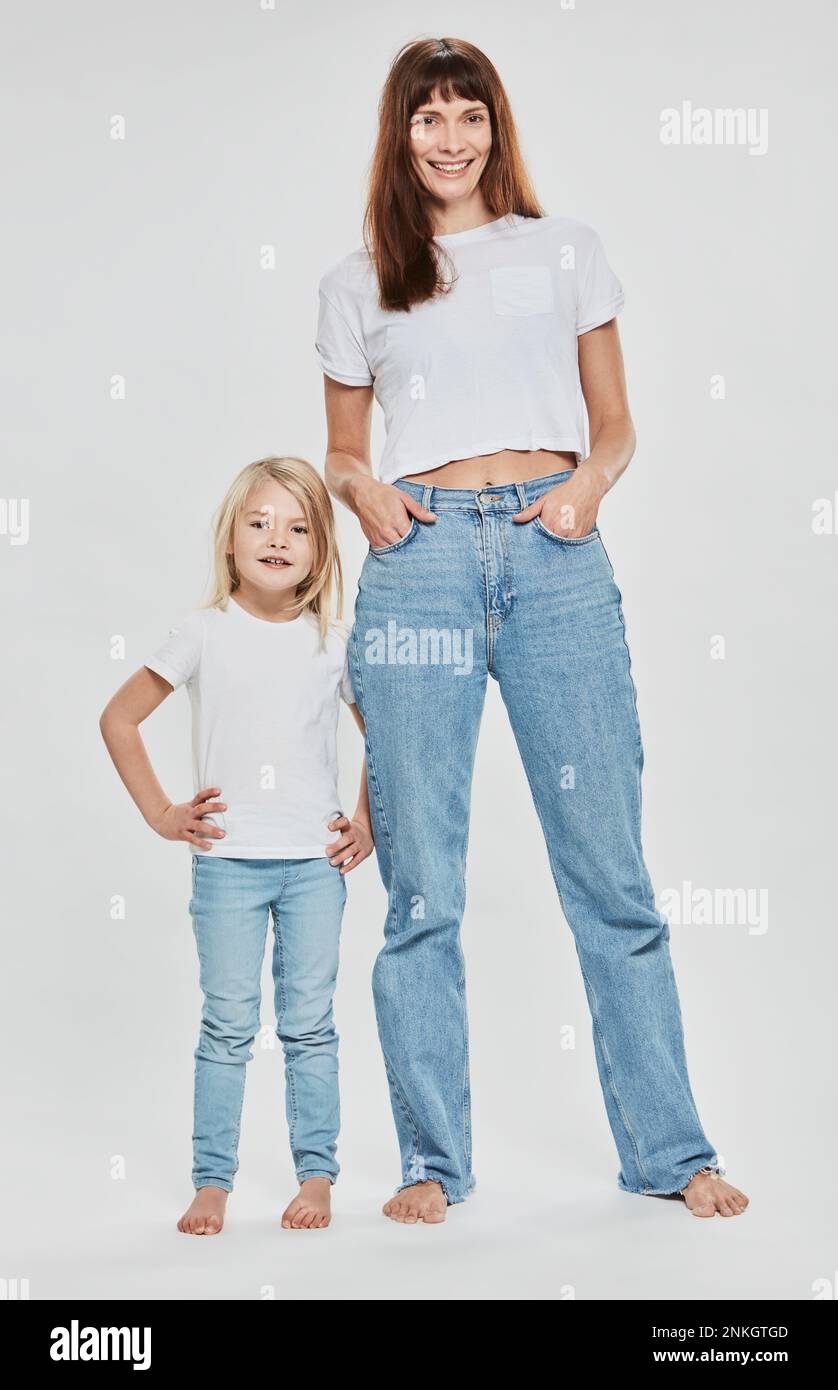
(424, 1201)
(205, 1217)
(310, 1210)
(706, 1193)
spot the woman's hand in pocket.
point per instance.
(355, 843)
(569, 509)
(184, 820)
(384, 511)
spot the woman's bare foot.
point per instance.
(707, 1193)
(205, 1217)
(424, 1201)
(310, 1210)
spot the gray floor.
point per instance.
(558, 1234)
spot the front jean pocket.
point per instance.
(566, 540)
(397, 545)
(522, 289)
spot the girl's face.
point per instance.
(271, 542)
(450, 143)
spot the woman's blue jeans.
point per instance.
(469, 595)
(231, 902)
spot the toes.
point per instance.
(704, 1209)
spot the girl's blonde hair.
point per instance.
(314, 594)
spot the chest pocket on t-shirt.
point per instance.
(522, 289)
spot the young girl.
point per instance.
(265, 670)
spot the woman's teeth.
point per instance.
(451, 170)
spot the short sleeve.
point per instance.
(176, 659)
(346, 691)
(339, 344)
(600, 295)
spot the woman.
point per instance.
(480, 323)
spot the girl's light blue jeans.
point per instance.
(471, 595)
(232, 900)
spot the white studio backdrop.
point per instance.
(177, 180)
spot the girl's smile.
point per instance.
(275, 561)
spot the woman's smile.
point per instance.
(450, 170)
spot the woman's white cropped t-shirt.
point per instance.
(264, 700)
(491, 364)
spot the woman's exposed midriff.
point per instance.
(493, 470)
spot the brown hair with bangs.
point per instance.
(398, 229)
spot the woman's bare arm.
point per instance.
(348, 422)
(119, 725)
(602, 375)
(383, 511)
(570, 509)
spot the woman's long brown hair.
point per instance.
(398, 229)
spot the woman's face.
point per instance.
(450, 143)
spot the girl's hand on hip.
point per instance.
(184, 821)
(354, 846)
(384, 512)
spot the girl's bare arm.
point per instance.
(362, 810)
(119, 724)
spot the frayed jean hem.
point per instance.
(316, 1173)
(672, 1191)
(452, 1195)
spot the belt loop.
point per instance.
(426, 496)
(522, 496)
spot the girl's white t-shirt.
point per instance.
(265, 701)
(493, 363)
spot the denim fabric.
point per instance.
(542, 615)
(230, 906)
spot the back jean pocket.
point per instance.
(397, 545)
(522, 289)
